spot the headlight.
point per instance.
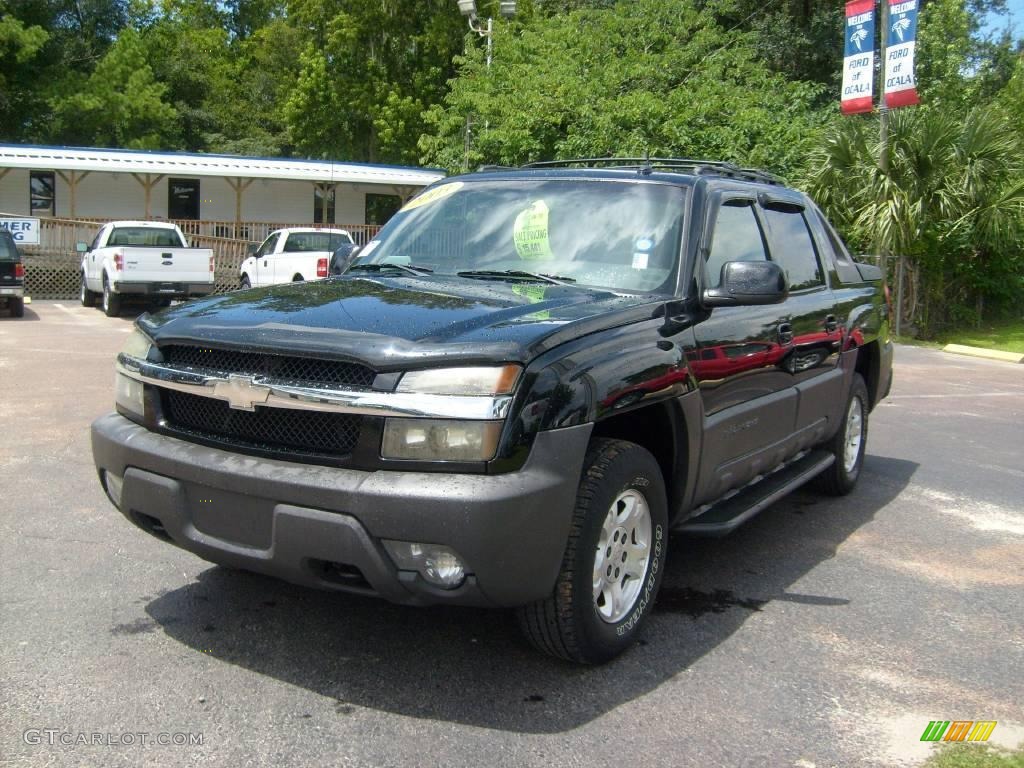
(492, 380)
(137, 345)
(440, 440)
(128, 395)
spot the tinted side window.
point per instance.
(8, 251)
(268, 245)
(844, 264)
(792, 248)
(737, 237)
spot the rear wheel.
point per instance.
(111, 301)
(87, 297)
(298, 279)
(245, 282)
(848, 444)
(17, 307)
(613, 561)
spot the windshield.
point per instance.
(299, 242)
(145, 237)
(607, 234)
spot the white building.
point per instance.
(222, 190)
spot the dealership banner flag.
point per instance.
(859, 58)
(900, 87)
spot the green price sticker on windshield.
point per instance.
(530, 233)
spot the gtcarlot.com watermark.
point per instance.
(58, 737)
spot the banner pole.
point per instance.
(883, 153)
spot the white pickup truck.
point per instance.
(145, 259)
(292, 255)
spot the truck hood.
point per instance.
(394, 322)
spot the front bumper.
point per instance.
(322, 526)
(164, 289)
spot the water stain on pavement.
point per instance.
(695, 603)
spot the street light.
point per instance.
(507, 9)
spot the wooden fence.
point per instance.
(53, 267)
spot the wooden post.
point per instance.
(239, 186)
(72, 180)
(148, 181)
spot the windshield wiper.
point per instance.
(411, 269)
(517, 273)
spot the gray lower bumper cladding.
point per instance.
(322, 526)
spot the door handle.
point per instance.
(785, 333)
(264, 262)
(831, 324)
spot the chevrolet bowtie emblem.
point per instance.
(241, 392)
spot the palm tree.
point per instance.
(950, 207)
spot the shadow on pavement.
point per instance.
(470, 666)
(5, 314)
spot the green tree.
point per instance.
(648, 76)
(368, 70)
(19, 46)
(951, 205)
(120, 104)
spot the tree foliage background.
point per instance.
(752, 81)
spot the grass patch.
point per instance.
(975, 756)
(1006, 337)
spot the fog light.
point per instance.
(112, 484)
(437, 564)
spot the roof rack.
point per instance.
(648, 164)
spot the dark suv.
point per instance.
(512, 395)
(12, 275)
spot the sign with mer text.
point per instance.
(25, 231)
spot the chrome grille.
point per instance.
(300, 371)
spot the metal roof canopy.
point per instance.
(197, 164)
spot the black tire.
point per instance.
(245, 283)
(298, 279)
(840, 478)
(87, 297)
(17, 307)
(111, 301)
(568, 623)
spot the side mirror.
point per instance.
(81, 247)
(251, 249)
(342, 257)
(748, 283)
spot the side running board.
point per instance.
(725, 516)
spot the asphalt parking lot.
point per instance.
(824, 633)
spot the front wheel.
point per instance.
(848, 444)
(613, 562)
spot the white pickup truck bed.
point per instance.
(145, 259)
(290, 255)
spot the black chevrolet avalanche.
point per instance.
(512, 394)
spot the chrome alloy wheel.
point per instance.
(854, 434)
(623, 552)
